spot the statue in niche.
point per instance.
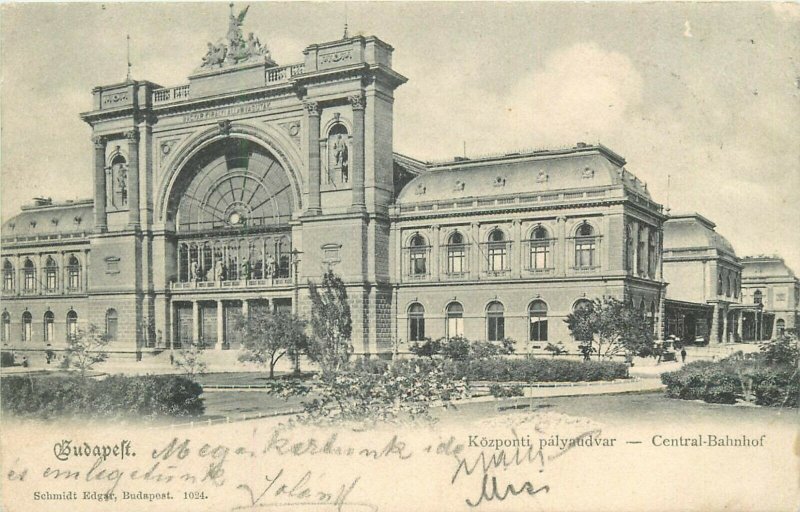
(194, 274)
(270, 270)
(219, 271)
(340, 156)
(118, 183)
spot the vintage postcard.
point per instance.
(393, 256)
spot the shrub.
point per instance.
(117, 396)
(734, 379)
(498, 391)
(459, 348)
(536, 370)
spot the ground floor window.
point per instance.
(27, 320)
(5, 332)
(495, 322)
(49, 326)
(780, 327)
(416, 322)
(455, 320)
(72, 325)
(537, 315)
(111, 324)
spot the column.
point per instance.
(476, 254)
(314, 203)
(714, 333)
(84, 276)
(516, 246)
(100, 220)
(62, 283)
(435, 256)
(358, 103)
(561, 252)
(195, 322)
(740, 321)
(133, 178)
(220, 325)
(724, 326)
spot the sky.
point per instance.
(702, 99)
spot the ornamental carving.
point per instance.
(542, 177)
(312, 107)
(421, 189)
(132, 135)
(235, 48)
(588, 173)
(459, 186)
(224, 127)
(99, 142)
(358, 102)
(499, 181)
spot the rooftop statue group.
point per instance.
(238, 49)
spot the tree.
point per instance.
(609, 327)
(783, 350)
(556, 349)
(267, 337)
(85, 348)
(190, 359)
(330, 346)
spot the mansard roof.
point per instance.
(693, 231)
(580, 167)
(760, 267)
(47, 218)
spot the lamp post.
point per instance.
(295, 307)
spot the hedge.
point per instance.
(727, 382)
(117, 396)
(537, 370)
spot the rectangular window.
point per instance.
(74, 278)
(8, 280)
(48, 331)
(50, 280)
(418, 263)
(455, 327)
(497, 258)
(26, 331)
(30, 280)
(584, 254)
(416, 327)
(496, 328)
(540, 254)
(455, 260)
(538, 329)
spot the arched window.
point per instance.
(758, 297)
(29, 273)
(719, 284)
(585, 247)
(642, 251)
(50, 274)
(418, 251)
(498, 251)
(456, 254)
(780, 326)
(537, 316)
(736, 286)
(49, 327)
(8, 276)
(416, 322)
(27, 321)
(5, 330)
(630, 250)
(728, 285)
(73, 273)
(111, 324)
(495, 322)
(583, 305)
(455, 320)
(540, 250)
(72, 325)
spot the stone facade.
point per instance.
(235, 190)
(768, 281)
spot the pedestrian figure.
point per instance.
(683, 355)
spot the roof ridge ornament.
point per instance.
(235, 49)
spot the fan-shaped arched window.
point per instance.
(29, 276)
(111, 324)
(50, 274)
(8, 276)
(27, 321)
(495, 322)
(456, 254)
(418, 254)
(72, 325)
(540, 249)
(73, 273)
(455, 320)
(498, 251)
(416, 322)
(758, 297)
(585, 246)
(537, 316)
(49, 327)
(5, 328)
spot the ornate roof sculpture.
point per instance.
(235, 49)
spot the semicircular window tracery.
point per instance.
(233, 184)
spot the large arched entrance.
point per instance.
(232, 204)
